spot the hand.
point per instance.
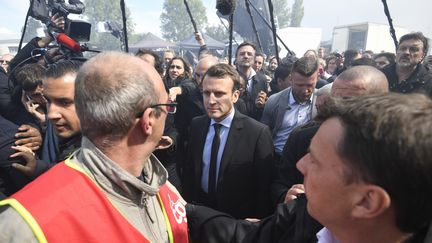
(51, 56)
(29, 156)
(164, 142)
(33, 108)
(199, 38)
(261, 99)
(29, 137)
(293, 192)
(173, 92)
(58, 21)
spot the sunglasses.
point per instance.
(4, 62)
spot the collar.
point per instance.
(293, 101)
(114, 179)
(227, 121)
(252, 74)
(326, 236)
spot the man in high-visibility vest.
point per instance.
(112, 189)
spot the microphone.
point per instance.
(65, 40)
(225, 7)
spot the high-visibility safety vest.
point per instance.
(65, 205)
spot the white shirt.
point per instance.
(325, 236)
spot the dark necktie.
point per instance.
(213, 163)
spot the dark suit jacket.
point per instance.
(246, 169)
(295, 148)
(290, 223)
(259, 84)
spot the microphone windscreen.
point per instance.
(68, 42)
(225, 7)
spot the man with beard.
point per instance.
(256, 84)
(294, 105)
(408, 74)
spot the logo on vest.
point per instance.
(178, 210)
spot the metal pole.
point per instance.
(123, 9)
(254, 26)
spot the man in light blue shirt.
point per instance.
(294, 105)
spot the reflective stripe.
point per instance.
(74, 166)
(31, 222)
(167, 222)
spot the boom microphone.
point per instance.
(225, 7)
(65, 40)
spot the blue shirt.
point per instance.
(223, 133)
(299, 113)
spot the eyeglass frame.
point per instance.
(173, 104)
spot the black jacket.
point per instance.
(419, 81)
(246, 168)
(289, 223)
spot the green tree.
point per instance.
(297, 13)
(175, 22)
(217, 32)
(282, 12)
(106, 10)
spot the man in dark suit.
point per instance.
(256, 87)
(229, 164)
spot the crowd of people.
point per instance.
(325, 147)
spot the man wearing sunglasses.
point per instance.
(5, 60)
(113, 189)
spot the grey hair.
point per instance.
(110, 90)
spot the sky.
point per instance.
(413, 15)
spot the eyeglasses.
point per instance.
(4, 62)
(171, 108)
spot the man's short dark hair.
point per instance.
(222, 70)
(29, 76)
(363, 61)
(62, 67)
(306, 66)
(391, 57)
(246, 43)
(387, 141)
(349, 56)
(283, 71)
(416, 36)
(158, 60)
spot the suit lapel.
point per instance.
(283, 106)
(231, 144)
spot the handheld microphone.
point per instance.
(225, 7)
(65, 40)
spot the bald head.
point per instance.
(359, 81)
(111, 89)
(203, 65)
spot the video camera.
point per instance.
(74, 30)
